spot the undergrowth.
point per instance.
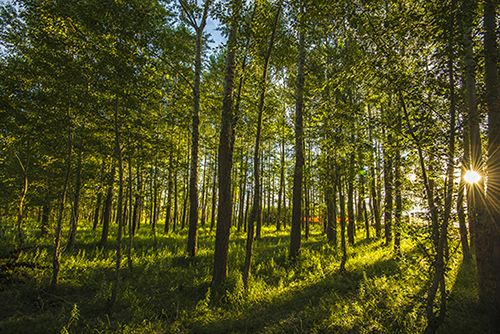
(165, 291)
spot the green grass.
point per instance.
(168, 292)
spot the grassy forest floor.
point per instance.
(166, 292)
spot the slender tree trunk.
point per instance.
(76, 199)
(475, 205)
(192, 243)
(438, 282)
(247, 208)
(107, 207)
(342, 224)
(119, 209)
(307, 212)
(130, 247)
(258, 194)
(155, 201)
(45, 216)
(214, 194)
(168, 209)
(184, 208)
(466, 252)
(350, 201)
(226, 157)
(176, 205)
(22, 197)
(331, 203)
(399, 202)
(388, 205)
(362, 196)
(204, 183)
(281, 193)
(243, 189)
(299, 141)
(467, 257)
(97, 209)
(373, 179)
(138, 200)
(255, 213)
(56, 252)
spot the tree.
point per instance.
(192, 243)
(488, 235)
(225, 158)
(299, 137)
(255, 213)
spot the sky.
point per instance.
(215, 34)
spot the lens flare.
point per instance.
(471, 176)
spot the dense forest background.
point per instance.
(308, 166)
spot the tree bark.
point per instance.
(107, 207)
(388, 199)
(350, 201)
(45, 216)
(119, 209)
(281, 191)
(242, 191)
(398, 210)
(192, 243)
(342, 223)
(176, 204)
(168, 215)
(75, 210)
(226, 157)
(130, 222)
(488, 229)
(214, 194)
(295, 233)
(56, 252)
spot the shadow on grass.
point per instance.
(287, 307)
(464, 313)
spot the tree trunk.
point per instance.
(255, 213)
(138, 201)
(350, 201)
(176, 205)
(488, 229)
(168, 209)
(119, 210)
(130, 247)
(45, 216)
(226, 157)
(388, 205)
(204, 183)
(107, 207)
(155, 200)
(76, 199)
(331, 205)
(56, 252)
(214, 195)
(342, 224)
(243, 187)
(22, 197)
(399, 202)
(281, 191)
(434, 320)
(299, 141)
(373, 179)
(467, 257)
(192, 243)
